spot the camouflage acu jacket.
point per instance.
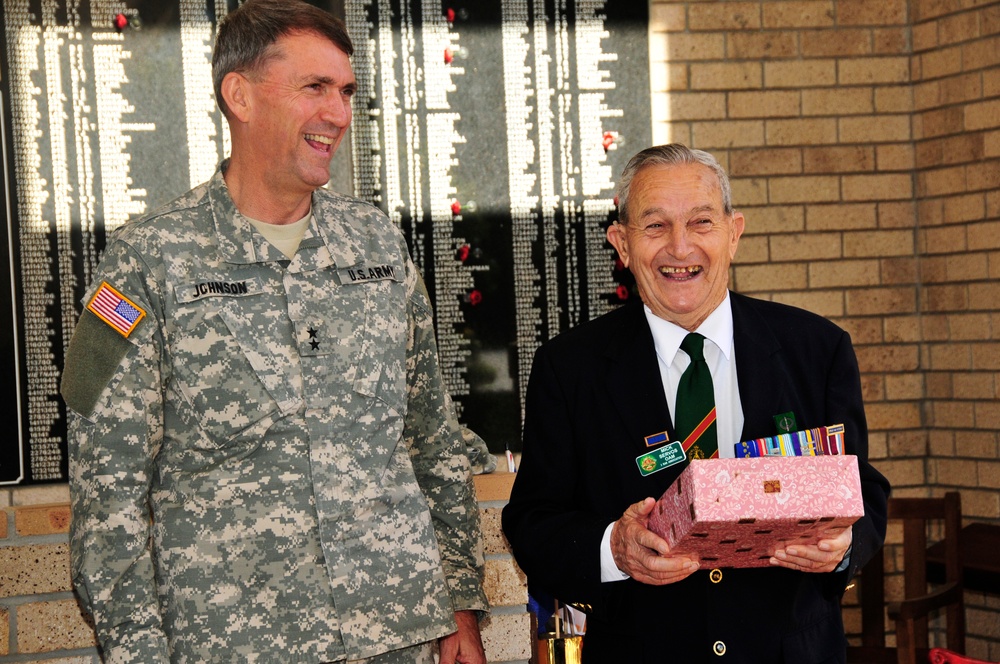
(264, 464)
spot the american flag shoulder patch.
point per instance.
(115, 309)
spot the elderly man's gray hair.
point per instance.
(673, 154)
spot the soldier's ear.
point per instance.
(237, 94)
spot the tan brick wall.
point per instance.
(507, 632)
(863, 139)
(40, 620)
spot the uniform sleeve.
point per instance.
(438, 453)
(112, 387)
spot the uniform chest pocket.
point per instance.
(352, 331)
(234, 367)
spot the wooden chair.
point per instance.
(910, 614)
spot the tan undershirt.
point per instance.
(286, 237)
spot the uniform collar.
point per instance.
(237, 240)
(323, 243)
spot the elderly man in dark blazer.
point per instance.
(599, 393)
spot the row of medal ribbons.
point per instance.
(808, 442)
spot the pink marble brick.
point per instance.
(738, 512)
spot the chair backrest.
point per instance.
(910, 614)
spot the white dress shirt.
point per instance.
(721, 358)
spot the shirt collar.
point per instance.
(717, 328)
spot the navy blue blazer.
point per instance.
(593, 396)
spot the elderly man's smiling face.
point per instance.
(678, 241)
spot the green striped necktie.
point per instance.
(694, 421)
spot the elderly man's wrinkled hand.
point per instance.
(644, 555)
(824, 556)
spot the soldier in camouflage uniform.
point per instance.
(264, 464)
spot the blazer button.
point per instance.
(715, 576)
(719, 648)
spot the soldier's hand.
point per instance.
(644, 555)
(464, 646)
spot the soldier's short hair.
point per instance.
(673, 154)
(246, 38)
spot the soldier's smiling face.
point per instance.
(300, 110)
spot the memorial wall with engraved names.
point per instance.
(490, 131)
(493, 133)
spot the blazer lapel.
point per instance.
(636, 389)
(634, 382)
(762, 383)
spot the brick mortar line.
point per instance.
(13, 539)
(15, 601)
